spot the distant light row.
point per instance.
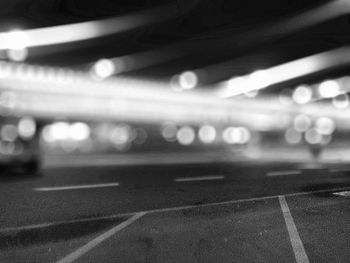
(336, 90)
(207, 134)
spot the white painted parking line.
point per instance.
(280, 173)
(176, 208)
(297, 244)
(98, 240)
(74, 187)
(344, 193)
(199, 178)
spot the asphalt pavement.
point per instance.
(177, 212)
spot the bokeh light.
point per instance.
(325, 125)
(103, 68)
(26, 127)
(188, 80)
(302, 94)
(185, 135)
(293, 136)
(302, 123)
(329, 89)
(312, 136)
(169, 132)
(207, 134)
(341, 101)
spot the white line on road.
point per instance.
(297, 244)
(280, 173)
(176, 208)
(199, 178)
(74, 187)
(98, 240)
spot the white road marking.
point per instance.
(74, 187)
(98, 240)
(297, 244)
(176, 208)
(344, 193)
(199, 178)
(280, 173)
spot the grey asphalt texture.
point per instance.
(234, 219)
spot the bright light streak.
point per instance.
(144, 59)
(125, 63)
(124, 99)
(302, 94)
(329, 89)
(207, 134)
(252, 94)
(17, 43)
(260, 78)
(288, 25)
(47, 79)
(236, 82)
(89, 30)
(16, 40)
(185, 135)
(285, 72)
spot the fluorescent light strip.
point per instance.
(93, 29)
(288, 25)
(284, 72)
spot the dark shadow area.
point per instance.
(15, 173)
